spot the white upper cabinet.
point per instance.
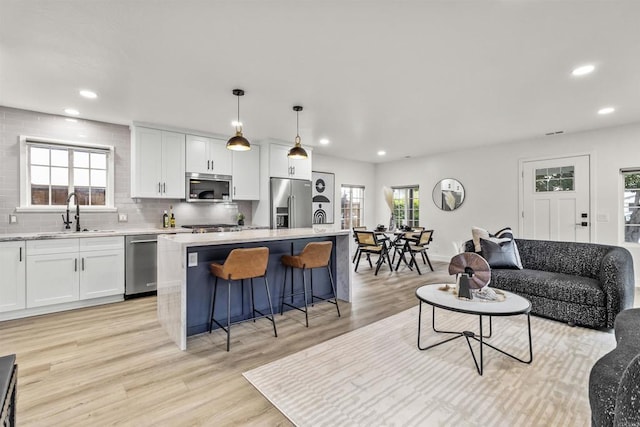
(246, 174)
(12, 280)
(208, 155)
(281, 166)
(157, 164)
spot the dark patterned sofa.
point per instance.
(579, 283)
(614, 383)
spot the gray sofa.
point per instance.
(614, 383)
(579, 283)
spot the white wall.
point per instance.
(490, 178)
(350, 172)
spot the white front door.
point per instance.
(556, 199)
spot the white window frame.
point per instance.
(351, 188)
(623, 173)
(414, 222)
(25, 187)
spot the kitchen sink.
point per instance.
(71, 232)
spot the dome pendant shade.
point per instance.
(297, 152)
(238, 142)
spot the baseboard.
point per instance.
(37, 311)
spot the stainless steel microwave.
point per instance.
(203, 188)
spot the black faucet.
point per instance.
(67, 221)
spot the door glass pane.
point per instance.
(555, 179)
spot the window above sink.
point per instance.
(50, 170)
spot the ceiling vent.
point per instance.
(558, 132)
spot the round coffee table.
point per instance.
(512, 305)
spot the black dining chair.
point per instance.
(368, 244)
(417, 244)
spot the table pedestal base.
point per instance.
(470, 335)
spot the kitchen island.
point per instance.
(185, 285)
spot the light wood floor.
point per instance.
(113, 364)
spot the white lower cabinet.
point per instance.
(12, 278)
(101, 267)
(67, 270)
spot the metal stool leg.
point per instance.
(253, 304)
(273, 319)
(333, 288)
(284, 287)
(213, 304)
(304, 286)
(229, 315)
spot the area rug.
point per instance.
(376, 376)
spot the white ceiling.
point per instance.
(408, 77)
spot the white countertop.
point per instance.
(246, 236)
(70, 234)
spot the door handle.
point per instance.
(164, 187)
(293, 217)
(82, 263)
(234, 190)
(212, 165)
(159, 188)
(135, 242)
(75, 264)
(582, 224)
(20, 254)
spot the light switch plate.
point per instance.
(193, 259)
(13, 219)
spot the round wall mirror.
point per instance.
(448, 194)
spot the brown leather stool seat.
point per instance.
(241, 264)
(314, 255)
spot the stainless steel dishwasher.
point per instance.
(140, 265)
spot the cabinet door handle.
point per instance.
(234, 190)
(20, 254)
(159, 189)
(82, 263)
(294, 170)
(164, 187)
(212, 167)
(75, 264)
(208, 167)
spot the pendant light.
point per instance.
(238, 142)
(297, 152)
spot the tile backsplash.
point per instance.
(141, 213)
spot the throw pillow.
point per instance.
(479, 233)
(504, 233)
(501, 253)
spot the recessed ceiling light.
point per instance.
(606, 110)
(324, 141)
(236, 124)
(71, 120)
(71, 111)
(583, 70)
(381, 153)
(82, 135)
(88, 94)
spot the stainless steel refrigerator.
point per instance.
(290, 203)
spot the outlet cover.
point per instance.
(193, 259)
(13, 219)
(123, 217)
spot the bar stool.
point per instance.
(314, 255)
(241, 264)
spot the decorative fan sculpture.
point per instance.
(474, 271)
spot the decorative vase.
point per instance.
(241, 222)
